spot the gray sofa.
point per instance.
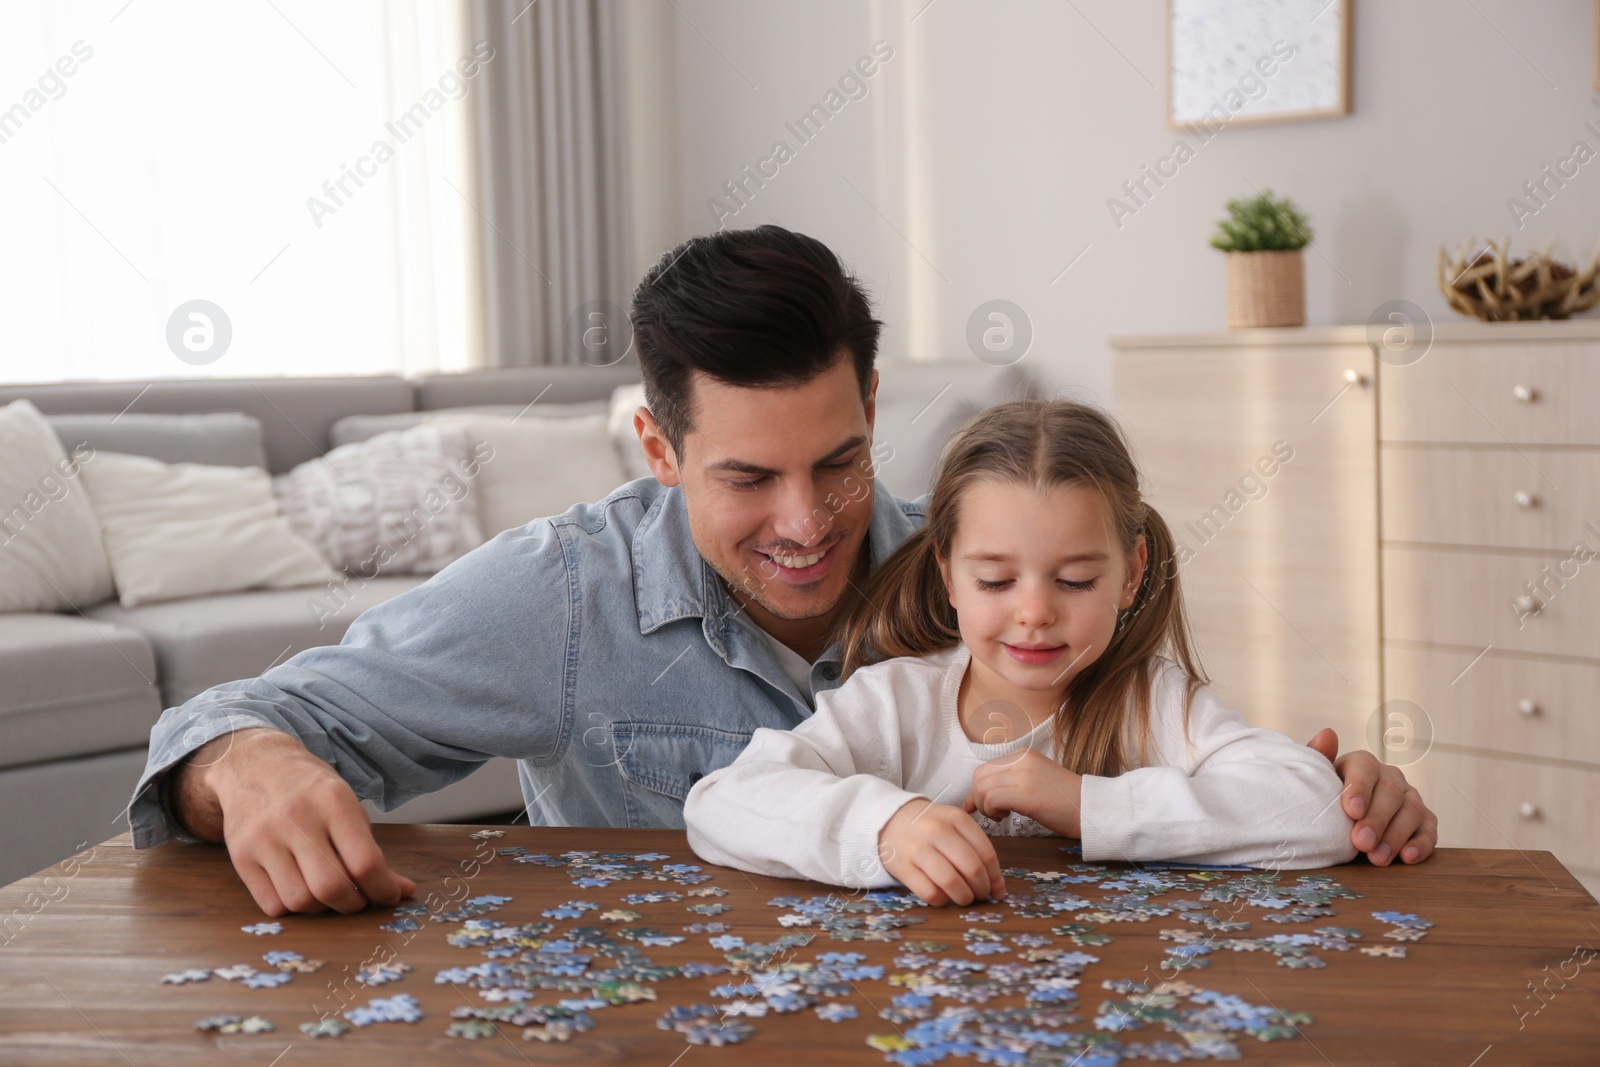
(79, 692)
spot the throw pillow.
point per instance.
(915, 434)
(535, 467)
(403, 502)
(176, 530)
(625, 400)
(51, 557)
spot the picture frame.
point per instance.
(1257, 61)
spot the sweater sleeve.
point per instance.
(1229, 793)
(809, 802)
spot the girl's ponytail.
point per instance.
(1118, 684)
(905, 609)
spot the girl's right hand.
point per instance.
(939, 853)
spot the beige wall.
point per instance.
(980, 161)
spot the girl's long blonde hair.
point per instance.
(1043, 444)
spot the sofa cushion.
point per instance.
(58, 808)
(908, 436)
(205, 641)
(73, 686)
(921, 405)
(225, 438)
(549, 384)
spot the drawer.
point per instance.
(1450, 597)
(1537, 392)
(1503, 703)
(1494, 497)
(1495, 803)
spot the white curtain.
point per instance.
(551, 198)
(437, 268)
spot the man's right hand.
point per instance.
(295, 831)
(939, 853)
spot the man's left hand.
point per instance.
(1391, 819)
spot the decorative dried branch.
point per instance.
(1491, 286)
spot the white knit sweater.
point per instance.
(809, 802)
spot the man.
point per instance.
(621, 650)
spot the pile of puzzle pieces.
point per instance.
(998, 997)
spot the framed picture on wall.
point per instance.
(1235, 61)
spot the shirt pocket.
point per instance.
(661, 762)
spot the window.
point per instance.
(154, 153)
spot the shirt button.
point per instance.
(830, 671)
(695, 777)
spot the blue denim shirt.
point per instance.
(596, 647)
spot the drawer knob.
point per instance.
(1527, 708)
(1528, 810)
(1354, 377)
(1528, 605)
(1523, 394)
(1525, 499)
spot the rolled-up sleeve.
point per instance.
(422, 690)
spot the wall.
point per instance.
(980, 161)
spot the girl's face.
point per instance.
(1037, 581)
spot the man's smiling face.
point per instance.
(778, 482)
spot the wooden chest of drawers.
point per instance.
(1423, 575)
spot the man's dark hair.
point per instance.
(762, 307)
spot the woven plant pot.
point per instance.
(1266, 289)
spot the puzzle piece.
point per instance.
(1392, 951)
(194, 974)
(235, 1024)
(328, 1027)
(266, 980)
(401, 1008)
(728, 1032)
(375, 974)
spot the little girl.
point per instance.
(1020, 665)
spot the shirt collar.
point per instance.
(672, 581)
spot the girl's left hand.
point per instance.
(1031, 784)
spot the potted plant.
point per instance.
(1263, 236)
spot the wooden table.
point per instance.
(84, 946)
